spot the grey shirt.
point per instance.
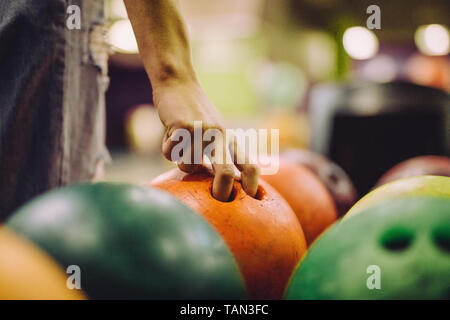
(52, 84)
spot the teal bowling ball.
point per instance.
(396, 250)
(131, 242)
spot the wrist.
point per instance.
(164, 72)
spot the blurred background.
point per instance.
(367, 99)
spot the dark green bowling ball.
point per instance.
(131, 242)
(407, 239)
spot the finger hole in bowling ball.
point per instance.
(397, 239)
(441, 237)
(260, 193)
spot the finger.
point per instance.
(223, 172)
(187, 163)
(249, 178)
(176, 144)
(223, 181)
(167, 145)
(249, 171)
(189, 168)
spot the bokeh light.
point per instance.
(121, 37)
(317, 51)
(380, 69)
(144, 129)
(116, 9)
(433, 71)
(281, 85)
(433, 39)
(360, 43)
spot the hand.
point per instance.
(164, 48)
(179, 104)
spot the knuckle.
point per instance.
(212, 126)
(188, 168)
(226, 175)
(166, 151)
(251, 170)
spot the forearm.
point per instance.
(162, 39)
(177, 95)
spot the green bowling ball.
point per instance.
(131, 242)
(397, 250)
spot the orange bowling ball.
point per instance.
(263, 232)
(308, 197)
(27, 273)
